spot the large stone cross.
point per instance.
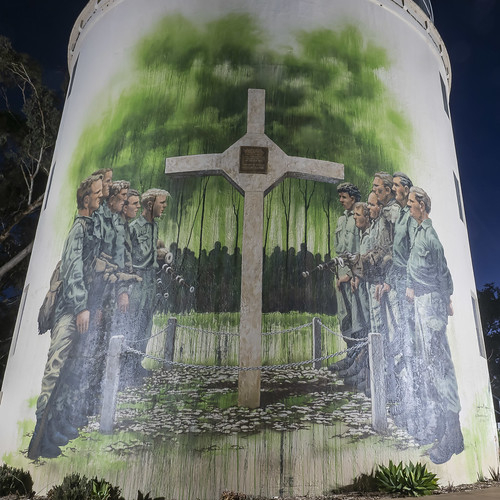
(254, 165)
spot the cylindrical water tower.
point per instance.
(268, 304)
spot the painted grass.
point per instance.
(202, 348)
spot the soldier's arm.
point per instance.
(443, 275)
(135, 243)
(72, 274)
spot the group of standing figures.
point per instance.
(105, 284)
(397, 283)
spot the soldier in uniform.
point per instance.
(127, 215)
(404, 230)
(88, 364)
(114, 244)
(352, 317)
(376, 265)
(144, 237)
(430, 288)
(122, 318)
(373, 207)
(364, 225)
(108, 223)
(372, 275)
(73, 313)
(358, 375)
(107, 179)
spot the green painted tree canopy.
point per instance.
(324, 100)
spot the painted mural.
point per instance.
(157, 259)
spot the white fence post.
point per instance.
(110, 384)
(170, 341)
(317, 342)
(377, 382)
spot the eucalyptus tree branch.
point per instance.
(21, 215)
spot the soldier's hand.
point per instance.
(354, 283)
(123, 302)
(344, 279)
(82, 321)
(410, 294)
(385, 288)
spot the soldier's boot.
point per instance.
(41, 446)
(452, 442)
(344, 363)
(341, 365)
(34, 446)
(351, 370)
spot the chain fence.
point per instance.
(297, 364)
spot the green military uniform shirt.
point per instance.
(404, 233)
(80, 249)
(427, 268)
(346, 237)
(144, 236)
(111, 232)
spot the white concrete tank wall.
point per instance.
(357, 82)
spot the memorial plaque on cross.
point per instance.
(254, 165)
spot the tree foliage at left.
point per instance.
(29, 119)
(489, 305)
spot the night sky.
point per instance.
(469, 30)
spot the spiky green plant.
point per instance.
(76, 487)
(481, 478)
(408, 480)
(15, 481)
(364, 482)
(73, 487)
(494, 474)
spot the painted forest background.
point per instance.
(324, 99)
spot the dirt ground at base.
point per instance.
(462, 488)
(229, 495)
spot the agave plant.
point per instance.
(409, 480)
(495, 474)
